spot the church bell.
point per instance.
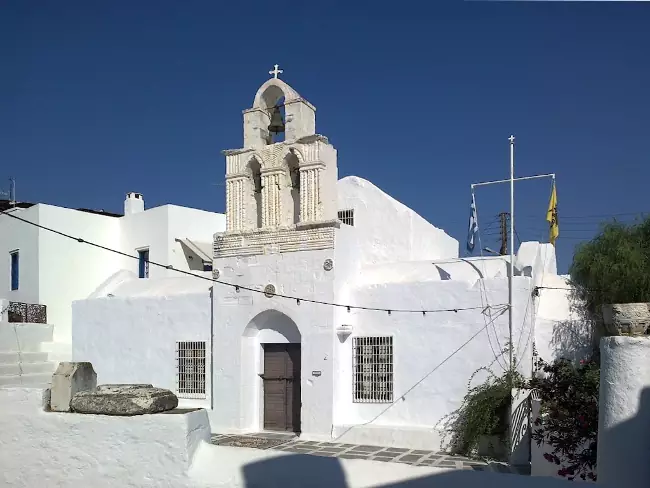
(277, 124)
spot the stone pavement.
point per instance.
(291, 443)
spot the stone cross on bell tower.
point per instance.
(275, 71)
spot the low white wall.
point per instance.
(133, 340)
(624, 412)
(71, 450)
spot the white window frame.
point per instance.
(191, 361)
(376, 382)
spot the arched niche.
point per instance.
(292, 190)
(273, 327)
(254, 172)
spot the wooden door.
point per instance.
(282, 387)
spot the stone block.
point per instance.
(69, 379)
(124, 400)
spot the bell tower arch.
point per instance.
(284, 187)
(300, 114)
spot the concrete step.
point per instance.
(57, 351)
(25, 368)
(24, 337)
(25, 357)
(30, 379)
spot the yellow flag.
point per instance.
(551, 217)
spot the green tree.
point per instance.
(614, 267)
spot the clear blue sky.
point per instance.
(101, 98)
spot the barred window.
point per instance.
(373, 369)
(347, 216)
(190, 370)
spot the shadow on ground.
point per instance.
(302, 470)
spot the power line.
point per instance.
(243, 287)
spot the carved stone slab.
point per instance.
(124, 400)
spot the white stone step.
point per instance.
(30, 379)
(24, 337)
(25, 368)
(25, 357)
(57, 351)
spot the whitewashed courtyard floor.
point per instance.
(291, 443)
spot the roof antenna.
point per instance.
(11, 193)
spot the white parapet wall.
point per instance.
(624, 412)
(40, 448)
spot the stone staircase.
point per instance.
(22, 362)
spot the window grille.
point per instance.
(373, 369)
(190, 370)
(347, 216)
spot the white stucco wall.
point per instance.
(132, 339)
(428, 383)
(157, 230)
(238, 354)
(386, 230)
(69, 270)
(55, 270)
(624, 412)
(71, 450)
(16, 235)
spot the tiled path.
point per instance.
(291, 443)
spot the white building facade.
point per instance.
(337, 312)
(45, 272)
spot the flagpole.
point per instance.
(512, 248)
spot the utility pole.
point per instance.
(503, 217)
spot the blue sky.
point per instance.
(101, 98)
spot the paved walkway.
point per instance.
(416, 457)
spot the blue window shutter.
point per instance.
(143, 263)
(15, 272)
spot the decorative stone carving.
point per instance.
(626, 318)
(285, 239)
(215, 274)
(68, 380)
(328, 265)
(269, 291)
(124, 400)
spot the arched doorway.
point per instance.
(273, 344)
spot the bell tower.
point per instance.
(279, 193)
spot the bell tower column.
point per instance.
(310, 197)
(235, 202)
(271, 197)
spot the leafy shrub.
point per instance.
(614, 267)
(569, 418)
(483, 412)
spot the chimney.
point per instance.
(134, 203)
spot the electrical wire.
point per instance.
(243, 287)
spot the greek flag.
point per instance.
(473, 226)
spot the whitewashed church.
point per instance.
(342, 314)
